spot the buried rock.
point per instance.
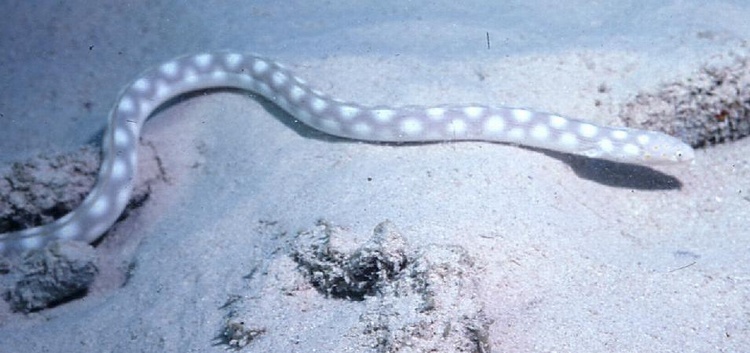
(434, 307)
(341, 273)
(415, 300)
(47, 187)
(710, 107)
(44, 188)
(59, 272)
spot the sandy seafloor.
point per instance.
(569, 258)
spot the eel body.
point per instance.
(138, 100)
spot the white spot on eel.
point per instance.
(262, 76)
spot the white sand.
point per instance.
(567, 261)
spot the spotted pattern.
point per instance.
(105, 203)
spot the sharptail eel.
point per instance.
(257, 74)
